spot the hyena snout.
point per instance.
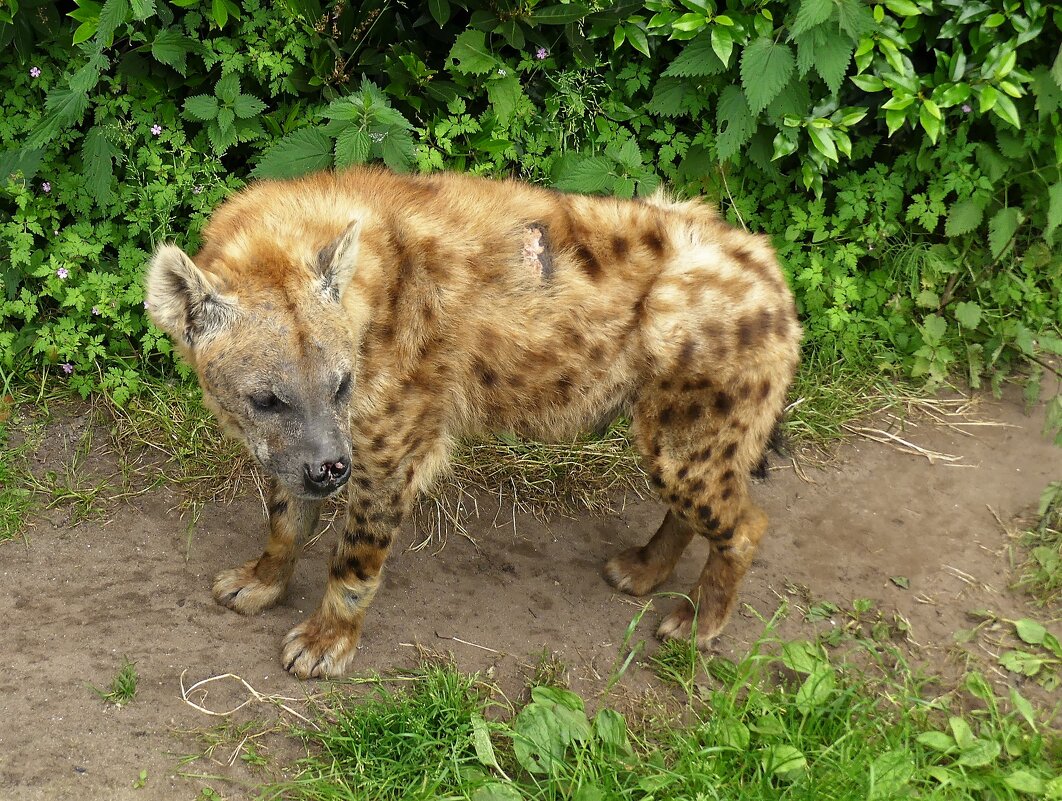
(326, 476)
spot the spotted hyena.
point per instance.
(351, 327)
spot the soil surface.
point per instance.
(136, 583)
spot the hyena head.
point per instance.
(267, 335)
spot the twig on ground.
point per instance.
(275, 700)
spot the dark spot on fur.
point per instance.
(588, 261)
(360, 519)
(723, 404)
(697, 485)
(693, 411)
(687, 351)
(564, 387)
(595, 353)
(702, 455)
(726, 493)
(764, 390)
(351, 566)
(487, 377)
(682, 472)
(687, 503)
(378, 442)
(730, 450)
(665, 385)
(665, 415)
(655, 242)
(278, 508)
(728, 476)
(725, 534)
(699, 384)
(621, 246)
(655, 479)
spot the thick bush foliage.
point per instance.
(903, 155)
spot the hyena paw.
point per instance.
(629, 572)
(679, 626)
(318, 650)
(241, 590)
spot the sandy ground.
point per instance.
(79, 598)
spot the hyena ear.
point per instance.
(337, 261)
(184, 301)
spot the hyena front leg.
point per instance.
(261, 582)
(381, 497)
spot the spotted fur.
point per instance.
(365, 321)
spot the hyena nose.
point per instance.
(330, 474)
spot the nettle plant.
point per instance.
(903, 155)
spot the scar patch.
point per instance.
(537, 254)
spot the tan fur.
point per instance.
(462, 306)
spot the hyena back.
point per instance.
(350, 327)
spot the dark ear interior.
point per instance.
(183, 300)
(337, 261)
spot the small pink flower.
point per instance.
(542, 54)
(96, 311)
(197, 190)
(156, 129)
(46, 187)
(63, 273)
(966, 108)
(68, 368)
(35, 72)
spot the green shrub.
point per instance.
(904, 156)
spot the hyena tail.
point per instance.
(777, 442)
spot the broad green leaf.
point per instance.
(816, 689)
(497, 791)
(1054, 209)
(628, 155)
(832, 59)
(481, 742)
(784, 761)
(854, 18)
(557, 695)
(504, 93)
(697, 59)
(968, 314)
(734, 122)
(228, 88)
(1025, 782)
(142, 9)
(470, 54)
(353, 146)
(397, 149)
(765, 70)
(822, 140)
(733, 733)
(963, 217)
(892, 771)
(638, 39)
(722, 43)
(1024, 707)
(201, 107)
(544, 730)
(440, 11)
(903, 8)
(590, 174)
(1030, 631)
(300, 152)
(559, 14)
(670, 97)
(171, 48)
(248, 106)
(989, 96)
(63, 108)
(97, 155)
(961, 731)
(1001, 230)
(980, 753)
(1056, 68)
(933, 329)
(810, 14)
(929, 122)
(937, 740)
(802, 657)
(868, 83)
(113, 14)
(1005, 109)
(610, 729)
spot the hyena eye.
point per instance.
(266, 402)
(344, 388)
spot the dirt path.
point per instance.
(77, 599)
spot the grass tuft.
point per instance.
(1041, 575)
(123, 685)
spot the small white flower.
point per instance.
(502, 73)
(376, 136)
